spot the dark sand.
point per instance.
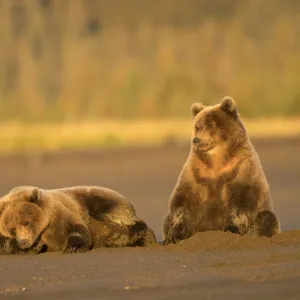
(210, 265)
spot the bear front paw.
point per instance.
(167, 241)
(232, 228)
(37, 249)
(178, 233)
(238, 223)
(2, 242)
(3, 245)
(76, 244)
(9, 246)
(175, 236)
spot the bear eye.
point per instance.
(25, 223)
(13, 231)
(209, 122)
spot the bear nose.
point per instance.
(196, 140)
(23, 243)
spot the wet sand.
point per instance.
(210, 265)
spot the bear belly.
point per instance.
(213, 210)
(212, 217)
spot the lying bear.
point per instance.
(222, 185)
(74, 219)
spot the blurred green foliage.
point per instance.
(98, 59)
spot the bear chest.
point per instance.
(210, 193)
(211, 186)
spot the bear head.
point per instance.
(217, 127)
(22, 215)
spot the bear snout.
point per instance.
(202, 144)
(23, 243)
(196, 140)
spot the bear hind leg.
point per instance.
(79, 240)
(149, 237)
(178, 226)
(141, 235)
(266, 224)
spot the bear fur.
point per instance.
(222, 185)
(73, 219)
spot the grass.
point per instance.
(36, 137)
(71, 60)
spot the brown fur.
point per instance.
(71, 219)
(222, 185)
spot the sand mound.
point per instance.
(286, 238)
(218, 240)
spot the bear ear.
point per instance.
(228, 105)
(196, 108)
(35, 196)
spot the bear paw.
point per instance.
(177, 234)
(266, 224)
(167, 241)
(232, 228)
(9, 246)
(2, 243)
(173, 239)
(76, 244)
(238, 223)
(37, 249)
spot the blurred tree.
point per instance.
(137, 58)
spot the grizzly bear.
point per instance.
(71, 220)
(222, 185)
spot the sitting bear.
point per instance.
(71, 220)
(222, 185)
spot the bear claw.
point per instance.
(76, 244)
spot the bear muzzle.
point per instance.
(24, 243)
(202, 145)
